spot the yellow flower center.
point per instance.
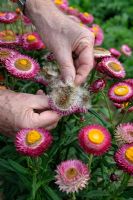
(4, 54)
(71, 173)
(33, 137)
(58, 2)
(121, 90)
(96, 136)
(31, 38)
(115, 66)
(129, 154)
(2, 14)
(23, 64)
(86, 14)
(8, 37)
(95, 30)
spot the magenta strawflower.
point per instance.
(32, 41)
(9, 38)
(114, 52)
(5, 53)
(72, 11)
(72, 176)
(112, 67)
(98, 32)
(126, 50)
(100, 52)
(86, 18)
(8, 17)
(33, 142)
(94, 139)
(124, 133)
(121, 92)
(97, 85)
(124, 158)
(129, 80)
(26, 20)
(22, 66)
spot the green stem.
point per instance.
(109, 111)
(90, 161)
(92, 75)
(73, 196)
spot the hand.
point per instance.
(20, 110)
(64, 37)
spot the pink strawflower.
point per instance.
(9, 39)
(123, 106)
(112, 67)
(50, 57)
(98, 32)
(126, 50)
(33, 142)
(121, 92)
(124, 158)
(124, 133)
(100, 52)
(32, 41)
(5, 53)
(8, 17)
(22, 66)
(97, 85)
(72, 11)
(129, 80)
(72, 176)
(26, 20)
(86, 18)
(94, 139)
(114, 52)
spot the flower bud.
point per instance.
(97, 85)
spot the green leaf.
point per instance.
(51, 193)
(17, 167)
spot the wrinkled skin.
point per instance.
(64, 37)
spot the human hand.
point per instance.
(20, 110)
(64, 37)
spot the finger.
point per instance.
(51, 127)
(64, 58)
(38, 101)
(45, 119)
(40, 92)
(84, 62)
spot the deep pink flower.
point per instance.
(123, 106)
(9, 38)
(98, 32)
(72, 11)
(124, 158)
(72, 176)
(32, 41)
(115, 52)
(94, 139)
(124, 133)
(126, 50)
(86, 18)
(5, 53)
(112, 67)
(121, 92)
(26, 20)
(97, 85)
(8, 17)
(129, 80)
(100, 52)
(22, 66)
(33, 142)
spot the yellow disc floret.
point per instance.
(31, 38)
(86, 14)
(71, 173)
(33, 137)
(115, 66)
(23, 64)
(121, 90)
(129, 154)
(96, 136)
(2, 14)
(58, 2)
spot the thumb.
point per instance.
(67, 69)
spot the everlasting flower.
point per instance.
(67, 99)
(33, 142)
(72, 176)
(126, 50)
(124, 158)
(129, 80)
(32, 41)
(5, 53)
(8, 17)
(124, 133)
(100, 52)
(98, 32)
(26, 20)
(86, 18)
(72, 11)
(114, 52)
(9, 38)
(22, 66)
(120, 92)
(112, 67)
(97, 85)
(95, 139)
